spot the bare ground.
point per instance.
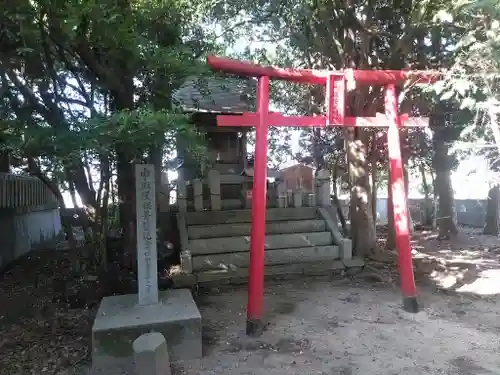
(343, 326)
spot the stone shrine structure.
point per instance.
(214, 204)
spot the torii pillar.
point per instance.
(335, 82)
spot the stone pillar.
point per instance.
(151, 354)
(289, 198)
(147, 273)
(181, 196)
(198, 194)
(297, 198)
(248, 198)
(323, 188)
(214, 186)
(282, 201)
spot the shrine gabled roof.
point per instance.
(217, 94)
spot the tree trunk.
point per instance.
(156, 158)
(4, 160)
(103, 196)
(446, 218)
(434, 202)
(407, 190)
(362, 223)
(126, 197)
(336, 202)
(492, 212)
(427, 217)
(374, 159)
(72, 193)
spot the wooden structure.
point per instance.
(29, 216)
(18, 191)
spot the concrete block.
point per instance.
(323, 184)
(183, 280)
(354, 262)
(245, 216)
(289, 198)
(231, 204)
(151, 354)
(273, 241)
(282, 201)
(297, 199)
(186, 262)
(214, 186)
(346, 249)
(181, 196)
(197, 232)
(240, 275)
(323, 268)
(232, 261)
(198, 194)
(120, 321)
(183, 231)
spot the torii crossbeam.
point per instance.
(335, 82)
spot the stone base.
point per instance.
(120, 320)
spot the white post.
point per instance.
(146, 234)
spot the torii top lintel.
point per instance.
(308, 76)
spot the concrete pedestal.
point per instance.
(120, 321)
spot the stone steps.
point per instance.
(299, 241)
(272, 257)
(196, 232)
(223, 245)
(245, 216)
(271, 272)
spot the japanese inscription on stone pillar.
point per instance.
(146, 234)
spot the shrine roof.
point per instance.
(217, 94)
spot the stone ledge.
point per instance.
(119, 321)
(282, 272)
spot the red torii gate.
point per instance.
(335, 82)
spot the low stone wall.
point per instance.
(23, 230)
(207, 194)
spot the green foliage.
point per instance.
(82, 78)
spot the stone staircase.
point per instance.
(299, 241)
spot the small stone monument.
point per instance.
(147, 272)
(122, 319)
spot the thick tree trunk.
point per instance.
(72, 193)
(4, 160)
(126, 198)
(336, 202)
(493, 212)
(435, 203)
(446, 218)
(156, 158)
(407, 191)
(362, 222)
(373, 162)
(427, 217)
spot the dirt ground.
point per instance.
(339, 326)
